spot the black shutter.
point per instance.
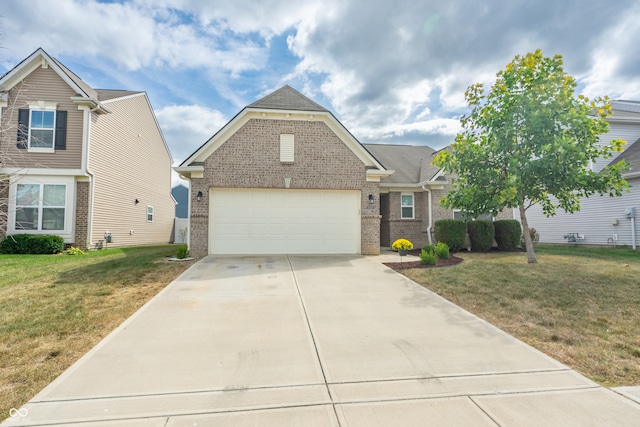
(61, 130)
(23, 128)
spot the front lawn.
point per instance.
(54, 308)
(579, 305)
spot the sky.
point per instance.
(391, 72)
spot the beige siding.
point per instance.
(43, 84)
(129, 161)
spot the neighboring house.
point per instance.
(285, 176)
(410, 198)
(84, 164)
(602, 220)
(181, 195)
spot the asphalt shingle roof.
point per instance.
(411, 163)
(632, 156)
(287, 98)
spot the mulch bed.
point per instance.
(453, 260)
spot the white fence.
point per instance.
(181, 230)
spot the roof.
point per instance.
(622, 105)
(632, 156)
(88, 90)
(412, 163)
(107, 94)
(287, 98)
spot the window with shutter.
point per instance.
(42, 129)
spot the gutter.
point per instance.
(424, 187)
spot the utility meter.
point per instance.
(630, 212)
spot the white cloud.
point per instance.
(187, 127)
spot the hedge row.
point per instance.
(481, 234)
(35, 244)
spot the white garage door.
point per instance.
(261, 221)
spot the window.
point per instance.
(41, 129)
(406, 202)
(286, 148)
(149, 213)
(40, 206)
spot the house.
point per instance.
(410, 198)
(285, 176)
(89, 165)
(602, 220)
(181, 195)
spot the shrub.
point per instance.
(535, 236)
(451, 232)
(429, 248)
(481, 234)
(442, 250)
(428, 258)
(73, 251)
(183, 252)
(402, 245)
(35, 244)
(508, 234)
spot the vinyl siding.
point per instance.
(129, 161)
(43, 84)
(594, 220)
(597, 212)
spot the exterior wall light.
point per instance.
(199, 196)
(371, 199)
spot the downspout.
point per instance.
(429, 209)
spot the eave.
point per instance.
(188, 172)
(90, 103)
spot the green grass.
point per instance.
(579, 305)
(54, 308)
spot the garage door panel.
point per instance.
(261, 221)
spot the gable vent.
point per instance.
(286, 148)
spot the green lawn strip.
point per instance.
(579, 305)
(54, 308)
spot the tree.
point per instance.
(530, 141)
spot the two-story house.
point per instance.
(89, 165)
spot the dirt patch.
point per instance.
(452, 260)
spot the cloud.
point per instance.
(187, 127)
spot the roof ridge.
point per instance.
(287, 98)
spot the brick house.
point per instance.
(285, 176)
(79, 162)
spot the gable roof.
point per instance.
(285, 103)
(109, 94)
(287, 98)
(412, 163)
(85, 94)
(632, 156)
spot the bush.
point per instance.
(428, 258)
(35, 244)
(183, 252)
(481, 234)
(429, 248)
(535, 236)
(508, 234)
(73, 251)
(451, 232)
(442, 250)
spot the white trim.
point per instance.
(43, 171)
(413, 206)
(69, 221)
(209, 147)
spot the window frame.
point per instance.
(40, 208)
(43, 109)
(412, 206)
(150, 213)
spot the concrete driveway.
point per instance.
(316, 341)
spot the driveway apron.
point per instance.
(315, 341)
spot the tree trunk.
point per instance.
(528, 243)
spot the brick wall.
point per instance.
(250, 158)
(414, 230)
(82, 215)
